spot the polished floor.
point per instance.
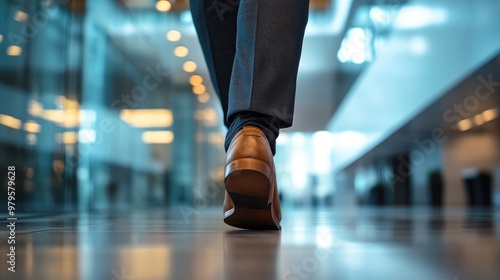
(189, 243)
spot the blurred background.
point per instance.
(108, 105)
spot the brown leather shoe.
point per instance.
(251, 200)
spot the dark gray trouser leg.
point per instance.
(268, 48)
(252, 49)
(215, 22)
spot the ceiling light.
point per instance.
(199, 89)
(35, 108)
(65, 118)
(31, 126)
(56, 116)
(174, 35)
(163, 6)
(14, 50)
(71, 120)
(415, 17)
(147, 117)
(69, 137)
(465, 125)
(10, 121)
(181, 51)
(158, 137)
(189, 66)
(204, 97)
(195, 80)
(62, 101)
(21, 16)
(478, 119)
(490, 114)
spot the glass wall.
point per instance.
(100, 109)
(40, 85)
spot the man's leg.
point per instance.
(259, 99)
(263, 81)
(252, 51)
(215, 22)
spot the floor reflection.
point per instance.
(360, 243)
(251, 255)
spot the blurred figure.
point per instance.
(112, 191)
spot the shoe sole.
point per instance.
(249, 184)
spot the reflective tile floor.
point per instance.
(186, 243)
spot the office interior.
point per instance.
(390, 170)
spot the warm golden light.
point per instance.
(478, 119)
(147, 117)
(1, 38)
(163, 6)
(31, 126)
(158, 137)
(199, 89)
(69, 137)
(465, 125)
(66, 103)
(66, 118)
(216, 139)
(14, 50)
(71, 120)
(207, 116)
(21, 16)
(137, 261)
(35, 108)
(69, 116)
(195, 80)
(181, 51)
(490, 114)
(174, 35)
(189, 66)
(30, 172)
(204, 97)
(10, 121)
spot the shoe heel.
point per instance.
(249, 184)
(252, 219)
(250, 181)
